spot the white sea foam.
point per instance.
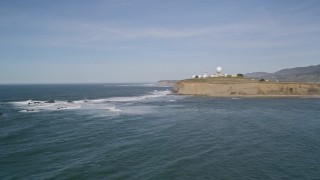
(97, 104)
(235, 98)
(154, 94)
(113, 109)
(23, 102)
(29, 111)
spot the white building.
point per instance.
(219, 73)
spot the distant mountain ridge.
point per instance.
(310, 70)
(298, 74)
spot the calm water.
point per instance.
(139, 131)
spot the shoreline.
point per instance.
(252, 96)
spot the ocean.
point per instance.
(142, 131)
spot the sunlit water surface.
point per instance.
(141, 131)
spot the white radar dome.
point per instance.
(219, 69)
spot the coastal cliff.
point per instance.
(244, 87)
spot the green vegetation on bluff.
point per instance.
(221, 80)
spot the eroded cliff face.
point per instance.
(245, 88)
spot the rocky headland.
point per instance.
(168, 83)
(224, 87)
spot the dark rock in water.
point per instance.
(1, 113)
(70, 101)
(28, 110)
(50, 101)
(35, 102)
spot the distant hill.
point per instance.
(298, 74)
(310, 70)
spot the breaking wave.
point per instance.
(109, 104)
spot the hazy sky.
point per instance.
(74, 41)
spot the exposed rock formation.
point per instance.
(50, 101)
(244, 87)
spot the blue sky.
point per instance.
(78, 41)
